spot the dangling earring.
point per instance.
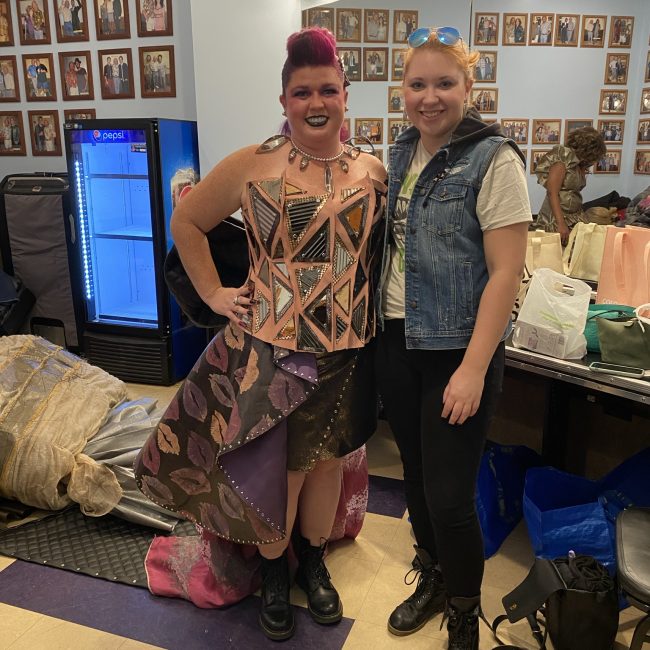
(284, 113)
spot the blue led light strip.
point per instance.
(84, 231)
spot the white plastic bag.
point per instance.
(553, 316)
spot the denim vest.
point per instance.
(445, 265)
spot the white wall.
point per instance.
(183, 106)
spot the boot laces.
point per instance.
(426, 578)
(273, 581)
(460, 625)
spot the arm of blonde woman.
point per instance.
(556, 175)
(505, 254)
(213, 199)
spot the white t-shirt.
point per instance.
(500, 203)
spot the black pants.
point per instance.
(441, 461)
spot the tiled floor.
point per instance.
(49, 609)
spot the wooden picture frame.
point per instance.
(621, 30)
(646, 78)
(516, 128)
(395, 99)
(375, 64)
(76, 114)
(349, 27)
(515, 29)
(617, 65)
(612, 131)
(39, 77)
(34, 26)
(110, 30)
(397, 63)
(154, 17)
(567, 30)
(643, 132)
(6, 25)
(116, 83)
(351, 60)
(642, 161)
(376, 23)
(486, 29)
(612, 102)
(546, 131)
(610, 163)
(44, 132)
(485, 100)
(645, 101)
(71, 21)
(76, 76)
(405, 22)
(573, 124)
(157, 74)
(371, 128)
(542, 29)
(396, 125)
(485, 71)
(593, 31)
(12, 142)
(11, 86)
(320, 17)
(535, 156)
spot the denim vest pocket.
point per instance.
(442, 211)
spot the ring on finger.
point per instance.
(235, 300)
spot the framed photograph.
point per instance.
(397, 67)
(572, 125)
(484, 100)
(642, 161)
(610, 163)
(593, 31)
(486, 68)
(535, 156)
(72, 20)
(38, 72)
(647, 69)
(369, 127)
(516, 129)
(116, 69)
(645, 100)
(515, 29)
(567, 27)
(405, 22)
(395, 99)
(321, 18)
(620, 34)
(613, 102)
(541, 29)
(643, 132)
(395, 127)
(154, 17)
(612, 131)
(9, 91)
(486, 29)
(45, 133)
(12, 142)
(76, 114)
(157, 71)
(351, 59)
(375, 25)
(375, 64)
(6, 25)
(112, 19)
(348, 25)
(76, 75)
(616, 67)
(33, 22)
(546, 131)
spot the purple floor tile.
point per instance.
(386, 496)
(136, 614)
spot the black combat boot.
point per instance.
(314, 579)
(427, 600)
(276, 613)
(462, 626)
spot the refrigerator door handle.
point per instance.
(73, 232)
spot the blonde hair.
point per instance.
(465, 58)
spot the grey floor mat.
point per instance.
(103, 547)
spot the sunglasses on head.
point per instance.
(446, 35)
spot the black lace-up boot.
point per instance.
(276, 613)
(314, 579)
(464, 614)
(427, 600)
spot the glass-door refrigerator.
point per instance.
(127, 176)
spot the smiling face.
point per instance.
(435, 91)
(314, 101)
